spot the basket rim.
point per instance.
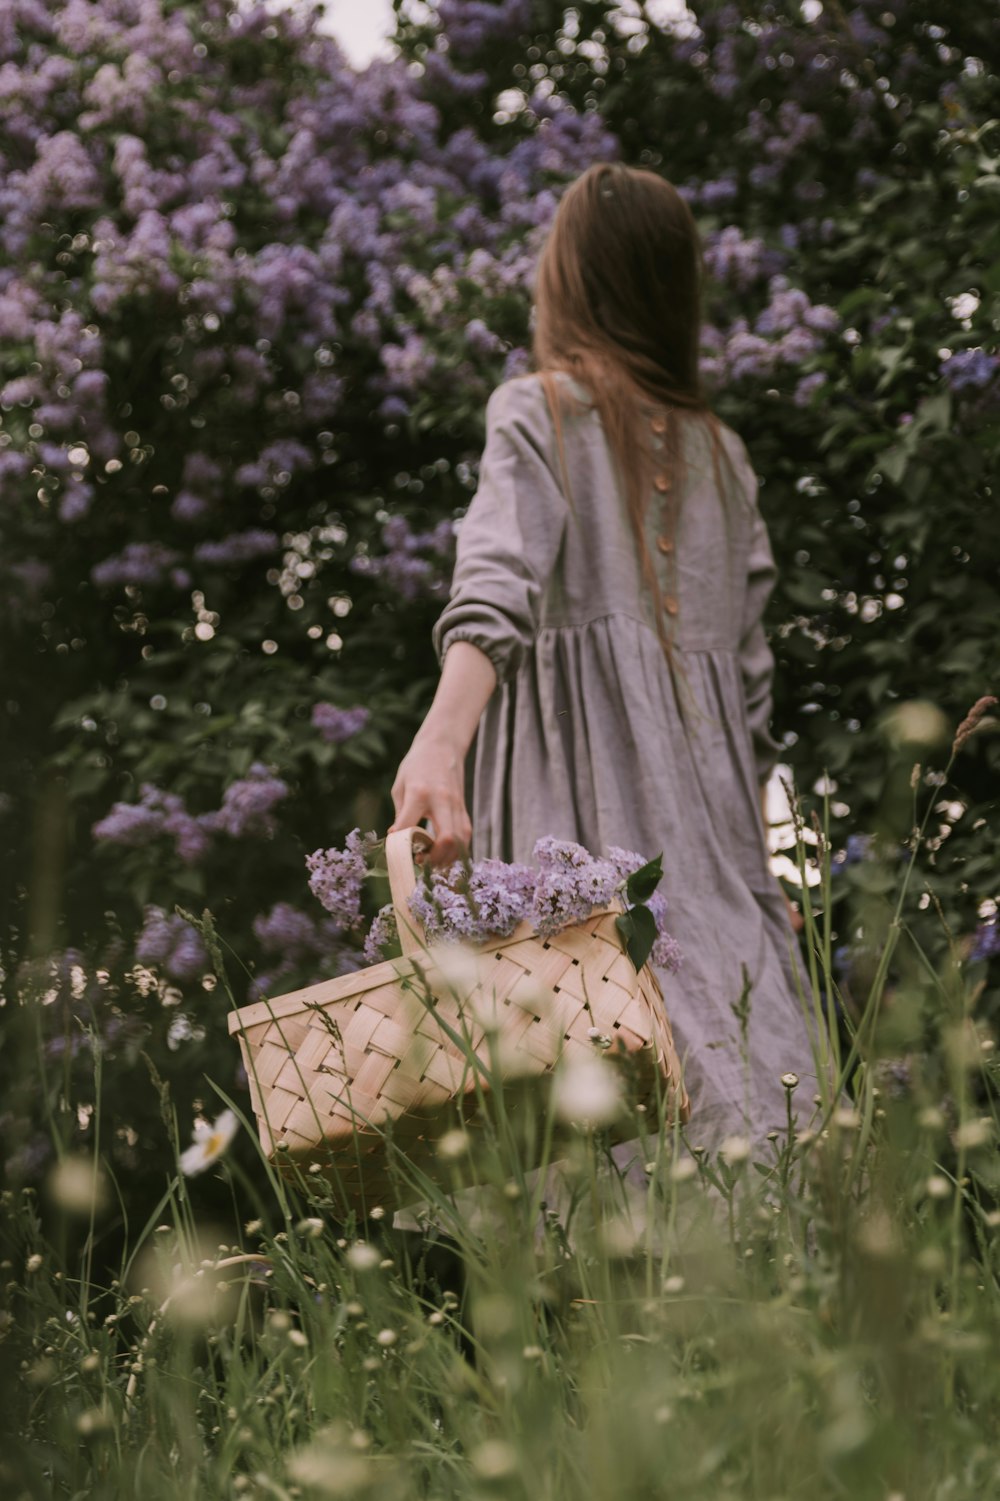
(280, 1007)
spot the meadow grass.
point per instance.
(815, 1315)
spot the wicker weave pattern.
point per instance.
(329, 1065)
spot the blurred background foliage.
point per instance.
(252, 303)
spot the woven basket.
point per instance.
(337, 1068)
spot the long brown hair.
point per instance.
(618, 306)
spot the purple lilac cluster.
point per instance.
(294, 944)
(789, 330)
(489, 898)
(248, 804)
(237, 548)
(969, 370)
(247, 811)
(383, 935)
(337, 725)
(415, 564)
(470, 25)
(141, 564)
(170, 942)
(134, 825)
(336, 878)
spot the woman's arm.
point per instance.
(508, 544)
(430, 782)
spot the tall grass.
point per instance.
(811, 1316)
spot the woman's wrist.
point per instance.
(443, 740)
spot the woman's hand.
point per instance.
(430, 784)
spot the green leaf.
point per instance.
(643, 882)
(637, 927)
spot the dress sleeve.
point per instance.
(756, 657)
(509, 539)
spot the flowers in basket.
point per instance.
(478, 900)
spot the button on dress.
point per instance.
(591, 736)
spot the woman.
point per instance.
(604, 637)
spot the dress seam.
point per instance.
(579, 625)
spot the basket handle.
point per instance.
(399, 848)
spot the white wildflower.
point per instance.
(974, 1133)
(494, 1460)
(77, 1185)
(363, 1257)
(210, 1142)
(734, 1150)
(453, 1145)
(587, 1092)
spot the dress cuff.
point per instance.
(502, 658)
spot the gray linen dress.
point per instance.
(589, 736)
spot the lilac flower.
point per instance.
(407, 572)
(337, 725)
(987, 941)
(169, 941)
(408, 365)
(135, 825)
(807, 387)
(382, 935)
(278, 462)
(718, 192)
(238, 548)
(503, 894)
(741, 262)
(130, 824)
(285, 930)
(517, 362)
(969, 369)
(191, 835)
(570, 884)
(626, 862)
(470, 25)
(75, 501)
(142, 563)
(248, 804)
(336, 877)
(480, 339)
